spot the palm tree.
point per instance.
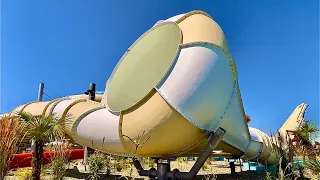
(306, 134)
(42, 128)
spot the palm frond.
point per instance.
(308, 132)
(44, 126)
(314, 165)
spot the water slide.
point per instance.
(173, 85)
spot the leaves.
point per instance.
(43, 126)
(97, 162)
(308, 132)
(40, 128)
(314, 165)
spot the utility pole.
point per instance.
(92, 96)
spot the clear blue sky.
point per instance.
(68, 44)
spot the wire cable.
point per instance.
(48, 96)
(57, 95)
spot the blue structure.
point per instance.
(218, 158)
(99, 92)
(254, 166)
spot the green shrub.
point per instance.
(97, 162)
(205, 166)
(314, 166)
(119, 165)
(59, 160)
(180, 160)
(24, 174)
(148, 162)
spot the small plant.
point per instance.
(180, 160)
(205, 166)
(119, 164)
(149, 162)
(269, 176)
(97, 162)
(283, 173)
(314, 166)
(209, 160)
(24, 174)
(59, 160)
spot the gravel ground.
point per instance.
(217, 170)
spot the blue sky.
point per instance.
(68, 44)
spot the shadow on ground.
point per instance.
(82, 175)
(245, 175)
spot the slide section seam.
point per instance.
(177, 53)
(226, 109)
(76, 122)
(55, 103)
(192, 13)
(70, 105)
(192, 146)
(47, 106)
(233, 70)
(231, 97)
(25, 106)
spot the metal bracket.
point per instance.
(163, 169)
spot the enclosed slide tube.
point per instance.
(175, 84)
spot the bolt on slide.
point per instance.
(174, 85)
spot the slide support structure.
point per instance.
(232, 168)
(40, 97)
(163, 169)
(92, 96)
(40, 92)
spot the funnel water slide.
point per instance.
(175, 84)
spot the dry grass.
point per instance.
(10, 135)
(216, 170)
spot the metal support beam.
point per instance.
(40, 97)
(163, 172)
(40, 91)
(233, 168)
(91, 91)
(163, 169)
(92, 96)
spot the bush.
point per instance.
(314, 166)
(119, 165)
(24, 174)
(205, 166)
(180, 160)
(97, 162)
(148, 162)
(10, 135)
(59, 160)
